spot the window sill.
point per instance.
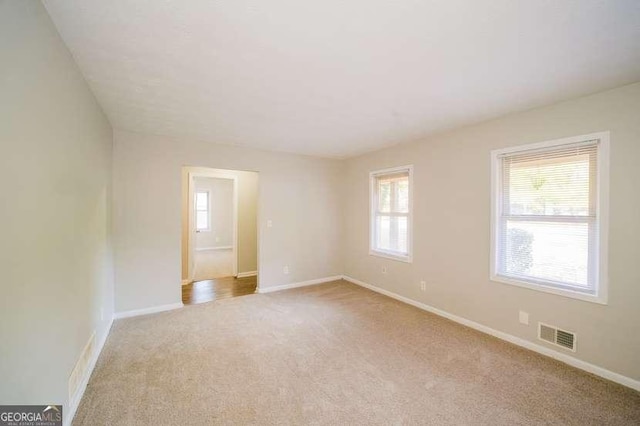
(391, 256)
(599, 299)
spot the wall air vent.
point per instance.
(554, 335)
(80, 371)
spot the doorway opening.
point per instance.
(219, 234)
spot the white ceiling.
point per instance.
(341, 77)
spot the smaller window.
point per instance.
(391, 206)
(202, 211)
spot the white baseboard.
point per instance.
(247, 274)
(567, 359)
(214, 248)
(73, 405)
(145, 311)
(299, 284)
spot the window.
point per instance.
(391, 205)
(202, 211)
(549, 216)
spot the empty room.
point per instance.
(328, 213)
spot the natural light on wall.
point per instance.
(391, 213)
(548, 221)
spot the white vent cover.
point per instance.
(78, 375)
(554, 335)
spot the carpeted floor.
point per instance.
(333, 354)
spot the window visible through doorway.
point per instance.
(203, 211)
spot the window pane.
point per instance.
(391, 234)
(401, 245)
(549, 251)
(202, 220)
(550, 186)
(402, 195)
(202, 200)
(384, 196)
(383, 226)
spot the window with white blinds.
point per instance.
(390, 233)
(548, 216)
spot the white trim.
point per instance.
(408, 258)
(236, 190)
(146, 311)
(247, 274)
(602, 215)
(214, 248)
(299, 284)
(562, 357)
(541, 146)
(390, 256)
(191, 226)
(564, 292)
(259, 230)
(73, 405)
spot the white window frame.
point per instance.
(600, 248)
(373, 212)
(195, 208)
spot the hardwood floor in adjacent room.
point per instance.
(219, 288)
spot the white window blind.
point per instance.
(391, 213)
(202, 210)
(547, 222)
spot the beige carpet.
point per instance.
(333, 354)
(210, 264)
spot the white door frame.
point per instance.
(192, 225)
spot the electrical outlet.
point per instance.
(523, 317)
(285, 269)
(269, 223)
(423, 285)
(384, 269)
(217, 239)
